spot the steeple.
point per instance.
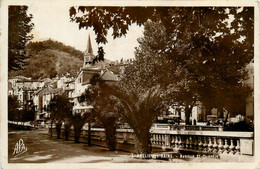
(89, 46)
(88, 55)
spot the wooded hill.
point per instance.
(50, 58)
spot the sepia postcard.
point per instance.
(129, 84)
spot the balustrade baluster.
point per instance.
(180, 142)
(215, 145)
(183, 141)
(168, 140)
(220, 146)
(195, 145)
(210, 145)
(200, 144)
(163, 140)
(176, 142)
(205, 145)
(160, 139)
(156, 139)
(226, 146)
(173, 141)
(191, 142)
(232, 147)
(237, 148)
(187, 143)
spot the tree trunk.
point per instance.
(77, 132)
(58, 129)
(110, 132)
(51, 127)
(89, 134)
(143, 143)
(67, 131)
(76, 135)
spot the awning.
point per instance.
(74, 95)
(82, 107)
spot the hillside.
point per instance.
(50, 58)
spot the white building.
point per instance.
(85, 74)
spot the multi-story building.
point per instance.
(13, 82)
(69, 88)
(25, 89)
(42, 100)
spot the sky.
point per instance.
(53, 21)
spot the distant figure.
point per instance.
(101, 54)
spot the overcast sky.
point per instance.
(53, 21)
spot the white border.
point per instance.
(3, 85)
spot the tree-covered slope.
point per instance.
(50, 58)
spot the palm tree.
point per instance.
(139, 109)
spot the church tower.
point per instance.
(88, 55)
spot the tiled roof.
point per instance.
(51, 90)
(115, 69)
(109, 76)
(21, 81)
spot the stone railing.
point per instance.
(219, 142)
(225, 142)
(187, 127)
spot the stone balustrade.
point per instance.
(225, 142)
(219, 142)
(187, 127)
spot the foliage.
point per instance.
(61, 111)
(240, 126)
(67, 128)
(36, 47)
(19, 29)
(61, 107)
(133, 106)
(50, 58)
(28, 112)
(204, 50)
(187, 55)
(112, 100)
(13, 105)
